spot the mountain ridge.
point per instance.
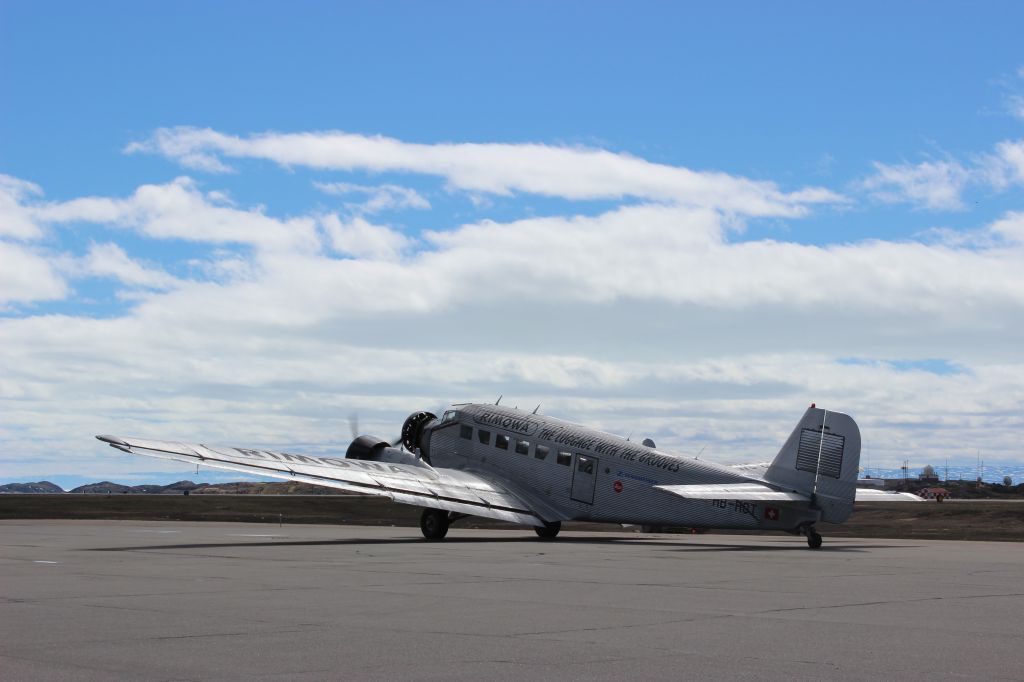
(176, 488)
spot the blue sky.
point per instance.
(223, 209)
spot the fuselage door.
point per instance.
(584, 479)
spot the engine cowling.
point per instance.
(366, 447)
(375, 449)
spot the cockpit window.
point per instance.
(449, 415)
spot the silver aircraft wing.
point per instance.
(734, 491)
(874, 495)
(759, 491)
(422, 486)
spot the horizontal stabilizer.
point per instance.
(872, 495)
(734, 491)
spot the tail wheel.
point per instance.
(813, 539)
(549, 530)
(434, 524)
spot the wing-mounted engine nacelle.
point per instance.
(414, 431)
(375, 449)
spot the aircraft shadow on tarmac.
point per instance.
(668, 544)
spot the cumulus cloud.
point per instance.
(378, 198)
(1010, 227)
(1006, 232)
(679, 256)
(939, 185)
(1005, 166)
(576, 173)
(361, 239)
(15, 220)
(649, 252)
(178, 210)
(651, 316)
(110, 260)
(934, 185)
(28, 276)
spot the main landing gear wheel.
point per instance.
(549, 530)
(434, 524)
(813, 539)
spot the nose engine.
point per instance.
(413, 431)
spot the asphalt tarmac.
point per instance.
(111, 600)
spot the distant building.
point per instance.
(932, 493)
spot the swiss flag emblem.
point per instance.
(771, 513)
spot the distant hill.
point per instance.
(105, 487)
(40, 487)
(285, 488)
(178, 488)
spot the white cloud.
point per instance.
(182, 149)
(656, 253)
(27, 276)
(1015, 105)
(935, 185)
(378, 198)
(361, 239)
(1010, 227)
(110, 260)
(650, 317)
(164, 374)
(577, 173)
(1005, 166)
(15, 220)
(939, 185)
(178, 210)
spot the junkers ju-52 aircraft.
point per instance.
(527, 468)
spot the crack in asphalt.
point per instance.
(892, 601)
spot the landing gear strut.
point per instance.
(549, 530)
(813, 537)
(434, 523)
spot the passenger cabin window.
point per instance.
(484, 436)
(466, 432)
(523, 447)
(564, 458)
(541, 452)
(501, 441)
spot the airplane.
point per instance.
(527, 468)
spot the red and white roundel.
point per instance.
(617, 486)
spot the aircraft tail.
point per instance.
(821, 459)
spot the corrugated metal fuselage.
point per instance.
(589, 475)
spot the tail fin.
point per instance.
(821, 459)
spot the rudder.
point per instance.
(821, 458)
